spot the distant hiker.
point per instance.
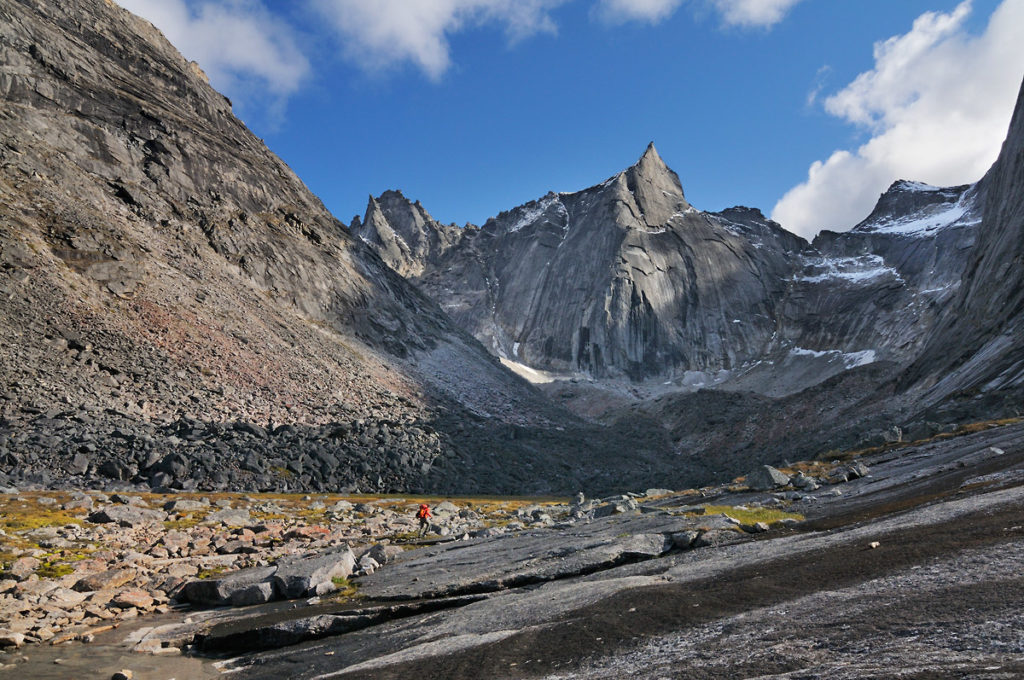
(424, 517)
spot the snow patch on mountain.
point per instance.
(531, 212)
(849, 359)
(929, 219)
(856, 270)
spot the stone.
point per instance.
(684, 540)
(716, 537)
(104, 580)
(127, 599)
(156, 648)
(66, 597)
(184, 505)
(218, 591)
(619, 507)
(23, 567)
(230, 517)
(650, 493)
(384, 554)
(256, 593)
(766, 478)
(11, 639)
(126, 515)
(313, 574)
(79, 464)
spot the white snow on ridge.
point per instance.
(530, 214)
(851, 269)
(918, 186)
(930, 219)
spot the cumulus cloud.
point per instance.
(621, 11)
(936, 106)
(753, 13)
(384, 33)
(236, 42)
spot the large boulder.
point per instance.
(221, 591)
(766, 478)
(126, 515)
(313, 574)
(112, 578)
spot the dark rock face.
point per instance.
(623, 279)
(976, 352)
(178, 310)
(881, 286)
(403, 233)
(627, 279)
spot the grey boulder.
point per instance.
(313, 574)
(766, 478)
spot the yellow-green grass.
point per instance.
(25, 512)
(960, 431)
(745, 515)
(346, 590)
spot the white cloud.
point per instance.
(744, 13)
(820, 78)
(383, 33)
(380, 34)
(753, 13)
(236, 42)
(937, 104)
(621, 11)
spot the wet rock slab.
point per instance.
(490, 564)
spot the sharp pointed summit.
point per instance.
(656, 188)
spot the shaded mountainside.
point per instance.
(176, 308)
(976, 354)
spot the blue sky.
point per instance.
(807, 109)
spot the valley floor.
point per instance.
(911, 571)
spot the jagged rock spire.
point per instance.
(656, 187)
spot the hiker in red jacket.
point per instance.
(424, 517)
